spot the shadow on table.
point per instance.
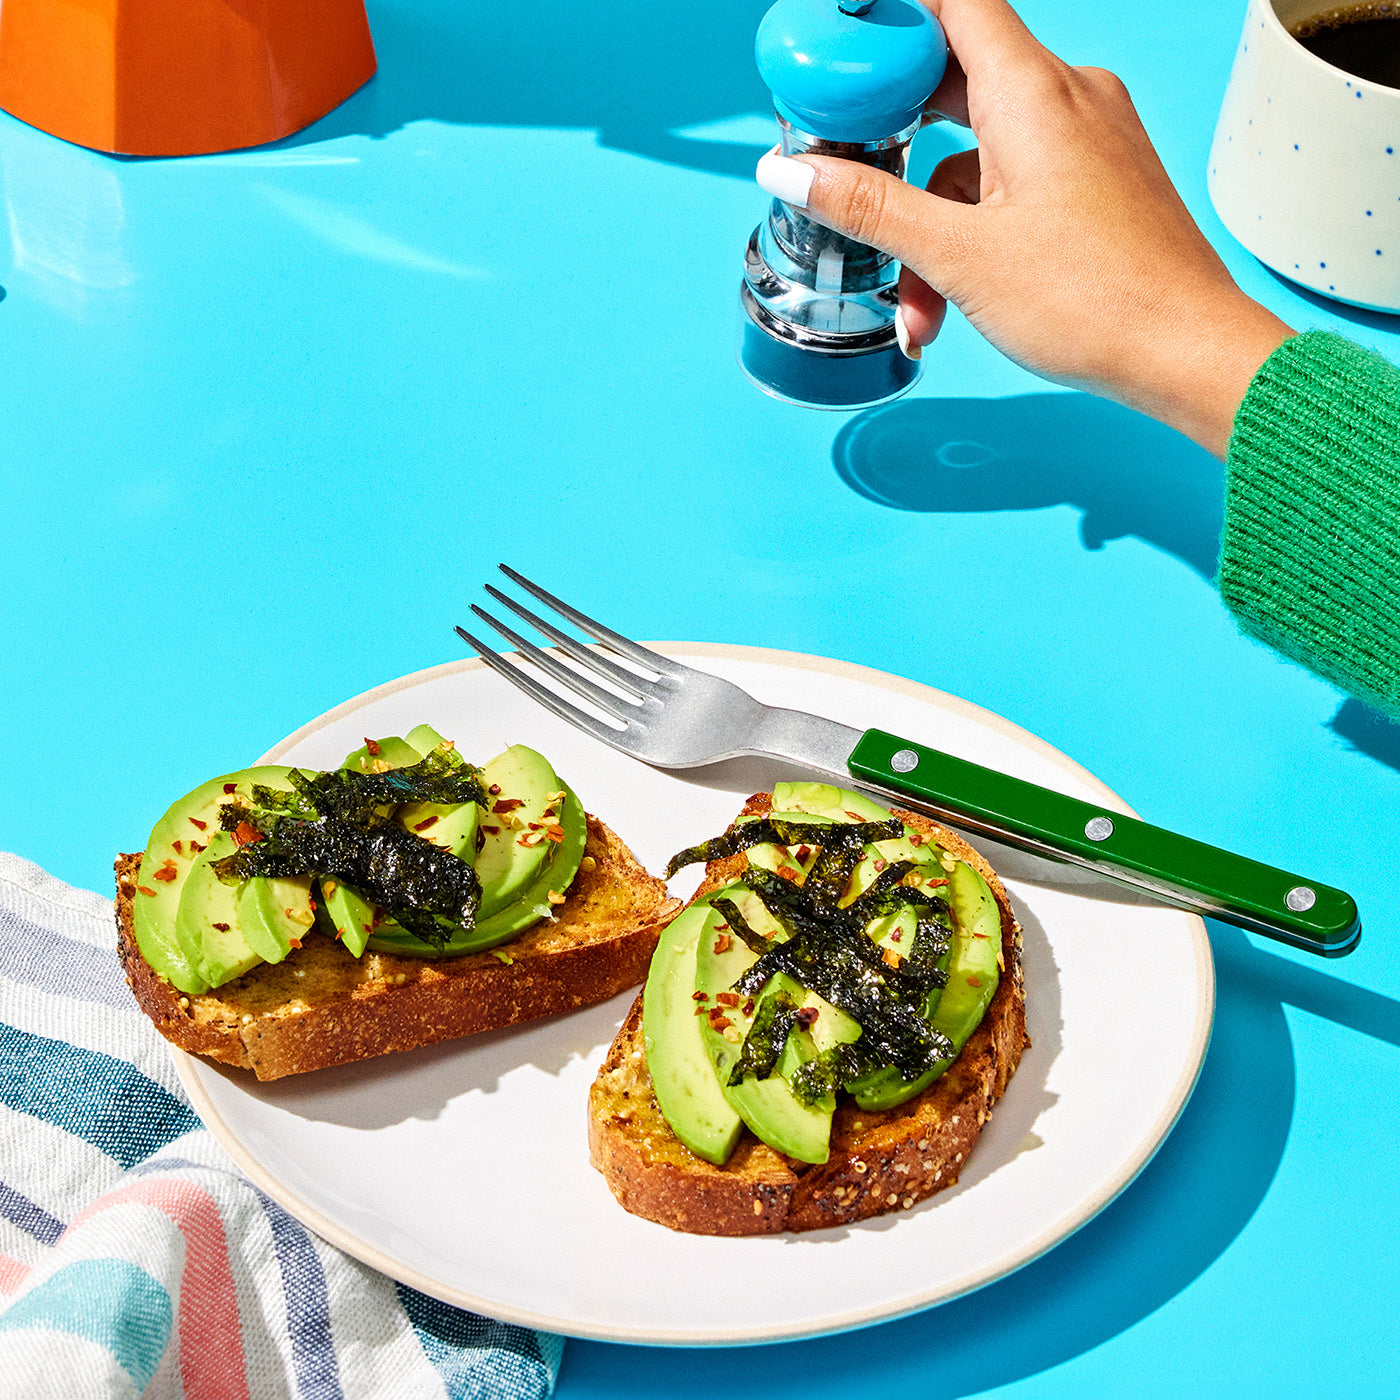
(1031, 451)
(632, 71)
(1166, 1229)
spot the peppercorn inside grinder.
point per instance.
(849, 78)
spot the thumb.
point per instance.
(921, 230)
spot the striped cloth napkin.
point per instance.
(135, 1260)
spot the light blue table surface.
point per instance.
(269, 419)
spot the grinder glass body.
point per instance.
(849, 79)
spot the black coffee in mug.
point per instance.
(1359, 39)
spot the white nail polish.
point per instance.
(784, 178)
(901, 334)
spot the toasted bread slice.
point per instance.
(880, 1161)
(322, 1006)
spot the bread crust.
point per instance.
(879, 1161)
(322, 1006)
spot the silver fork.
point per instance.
(672, 716)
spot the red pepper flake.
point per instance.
(339, 932)
(721, 927)
(372, 747)
(230, 789)
(203, 826)
(803, 852)
(143, 889)
(728, 999)
(806, 1017)
(554, 833)
(896, 937)
(246, 834)
(223, 928)
(855, 816)
(749, 1006)
(312, 903)
(880, 862)
(786, 872)
(166, 873)
(974, 981)
(916, 838)
(179, 847)
(723, 943)
(494, 789)
(425, 824)
(491, 830)
(534, 826)
(294, 942)
(506, 804)
(891, 958)
(934, 884)
(699, 1010)
(196, 848)
(719, 1021)
(699, 996)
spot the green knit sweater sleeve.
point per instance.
(1311, 555)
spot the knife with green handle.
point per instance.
(1297, 911)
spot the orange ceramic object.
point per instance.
(179, 77)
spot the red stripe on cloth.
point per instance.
(12, 1273)
(212, 1366)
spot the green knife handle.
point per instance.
(1240, 891)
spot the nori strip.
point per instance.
(739, 925)
(425, 889)
(777, 1014)
(828, 950)
(780, 832)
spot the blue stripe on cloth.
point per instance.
(106, 1102)
(308, 1307)
(478, 1359)
(32, 1219)
(62, 966)
(108, 1301)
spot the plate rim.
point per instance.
(191, 1069)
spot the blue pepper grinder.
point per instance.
(849, 78)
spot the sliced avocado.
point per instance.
(175, 844)
(531, 904)
(973, 964)
(275, 914)
(509, 858)
(827, 800)
(681, 1073)
(378, 755)
(452, 826)
(768, 1106)
(423, 739)
(207, 923)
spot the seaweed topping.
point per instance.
(772, 1024)
(826, 947)
(340, 825)
(779, 831)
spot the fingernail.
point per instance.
(784, 178)
(901, 334)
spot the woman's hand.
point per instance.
(1059, 237)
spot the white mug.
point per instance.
(1305, 166)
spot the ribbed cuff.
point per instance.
(1311, 556)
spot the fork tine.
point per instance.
(605, 700)
(614, 641)
(623, 679)
(550, 699)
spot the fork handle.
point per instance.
(1299, 912)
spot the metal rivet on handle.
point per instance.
(1300, 898)
(1099, 828)
(905, 761)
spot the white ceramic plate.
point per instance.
(462, 1169)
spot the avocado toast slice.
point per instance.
(344, 976)
(877, 1159)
